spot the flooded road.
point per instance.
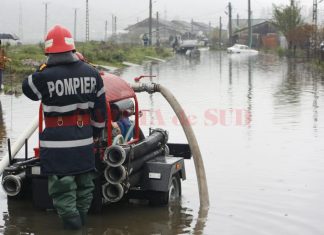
(259, 123)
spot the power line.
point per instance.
(133, 15)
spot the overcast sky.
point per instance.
(127, 11)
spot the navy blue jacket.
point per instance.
(65, 89)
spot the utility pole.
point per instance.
(75, 23)
(192, 26)
(238, 20)
(157, 30)
(106, 30)
(230, 23)
(112, 25)
(249, 23)
(20, 29)
(220, 32)
(46, 18)
(315, 5)
(87, 22)
(150, 24)
(115, 22)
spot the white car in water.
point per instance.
(241, 49)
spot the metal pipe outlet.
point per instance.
(113, 192)
(115, 175)
(12, 184)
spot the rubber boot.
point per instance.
(83, 217)
(72, 222)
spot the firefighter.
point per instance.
(74, 106)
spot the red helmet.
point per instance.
(58, 40)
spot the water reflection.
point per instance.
(22, 218)
(249, 93)
(230, 71)
(220, 64)
(201, 221)
(266, 179)
(289, 91)
(297, 91)
(315, 104)
(2, 129)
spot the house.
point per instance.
(167, 30)
(238, 24)
(264, 33)
(136, 31)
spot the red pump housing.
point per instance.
(116, 89)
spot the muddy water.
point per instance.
(259, 123)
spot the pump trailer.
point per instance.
(129, 165)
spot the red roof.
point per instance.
(116, 88)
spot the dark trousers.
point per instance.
(72, 195)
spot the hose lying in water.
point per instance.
(198, 161)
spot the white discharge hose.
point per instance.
(19, 144)
(198, 161)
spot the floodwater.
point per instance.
(259, 124)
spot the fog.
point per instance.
(128, 12)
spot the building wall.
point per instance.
(270, 41)
(264, 36)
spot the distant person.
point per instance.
(145, 40)
(175, 44)
(3, 61)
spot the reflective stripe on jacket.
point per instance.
(66, 89)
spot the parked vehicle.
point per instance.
(241, 49)
(184, 45)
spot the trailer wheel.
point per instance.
(157, 198)
(175, 188)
